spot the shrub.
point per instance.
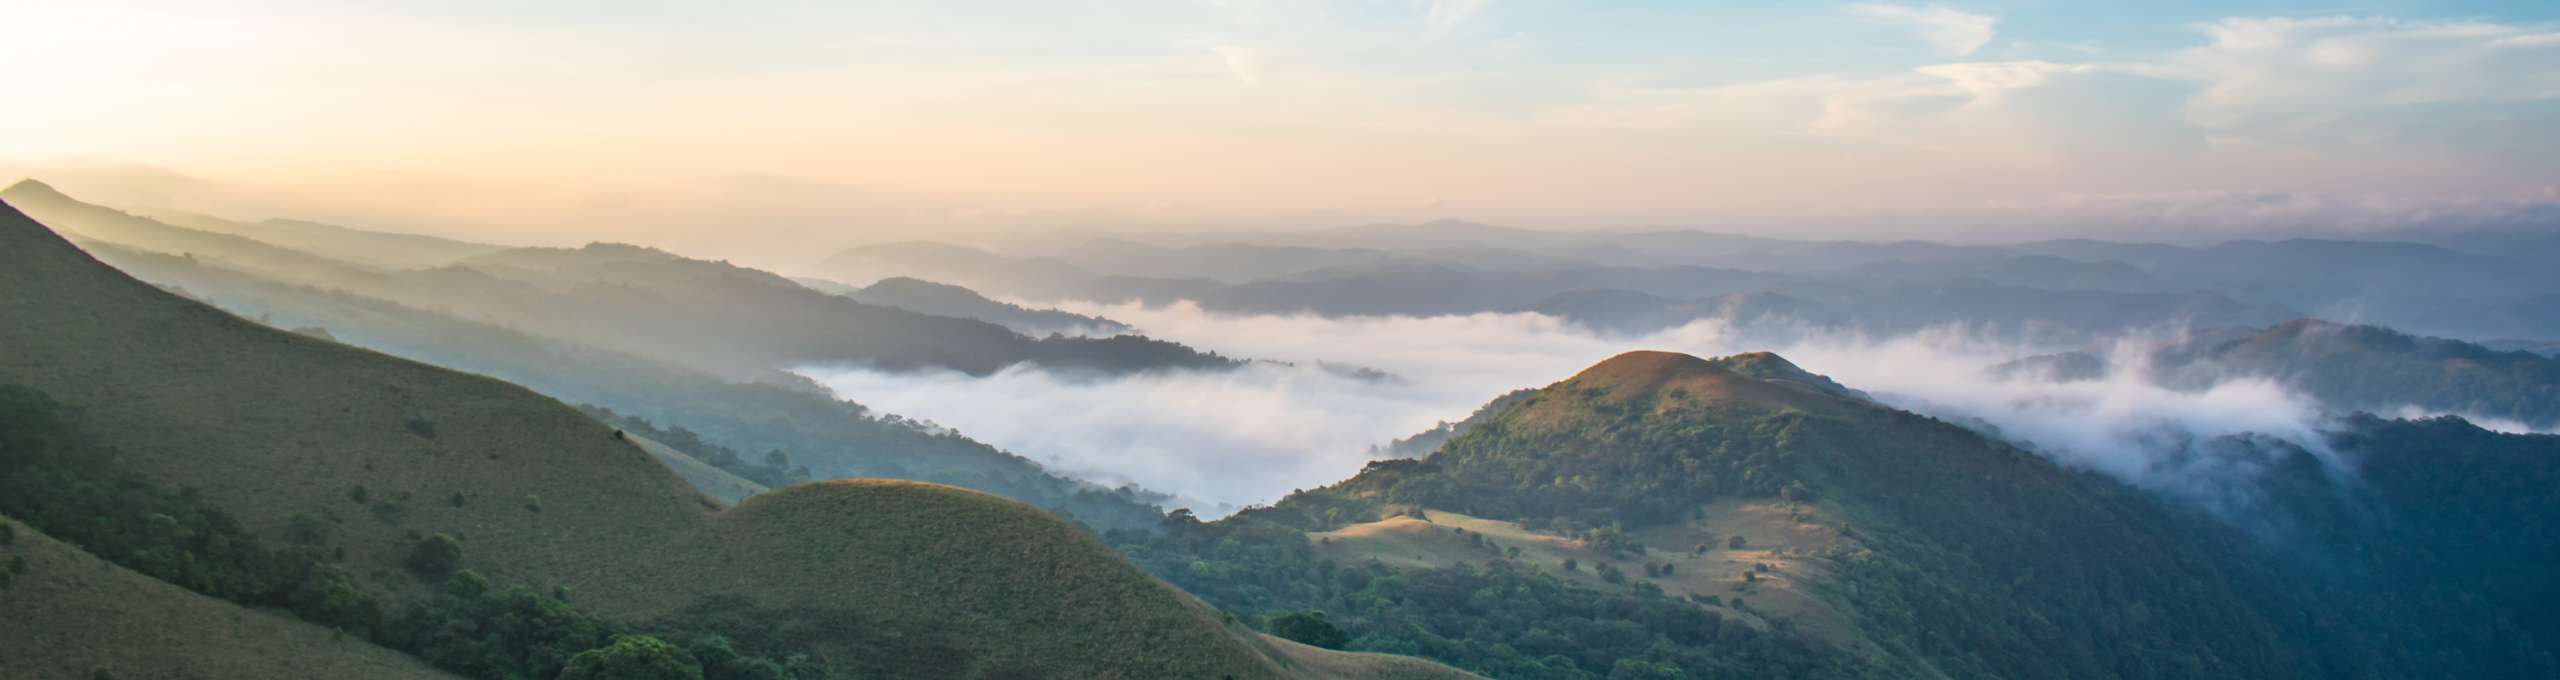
(421, 426)
(1308, 627)
(633, 657)
(435, 556)
(306, 530)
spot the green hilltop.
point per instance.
(1817, 533)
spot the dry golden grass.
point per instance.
(1786, 537)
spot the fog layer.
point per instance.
(1219, 440)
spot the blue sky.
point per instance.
(875, 120)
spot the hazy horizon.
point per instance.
(762, 130)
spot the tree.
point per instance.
(632, 657)
(435, 556)
(1308, 627)
(1639, 669)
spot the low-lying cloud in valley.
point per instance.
(1218, 440)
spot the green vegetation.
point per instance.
(57, 479)
(1971, 558)
(633, 657)
(773, 411)
(773, 471)
(435, 556)
(1307, 627)
(194, 450)
(1500, 618)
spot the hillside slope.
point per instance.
(377, 249)
(1941, 552)
(272, 429)
(772, 412)
(75, 616)
(709, 316)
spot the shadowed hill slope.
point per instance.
(80, 617)
(269, 426)
(775, 412)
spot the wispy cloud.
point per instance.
(1447, 14)
(2333, 75)
(1953, 31)
(1245, 63)
(1251, 436)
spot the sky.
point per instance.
(755, 128)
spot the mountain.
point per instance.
(711, 316)
(2404, 285)
(1628, 312)
(107, 224)
(1837, 537)
(377, 249)
(2348, 368)
(918, 295)
(397, 501)
(759, 414)
(73, 615)
(977, 269)
(2371, 368)
(2009, 311)
(2542, 347)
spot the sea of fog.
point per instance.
(1221, 440)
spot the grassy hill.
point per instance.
(1825, 535)
(267, 436)
(77, 617)
(774, 411)
(721, 485)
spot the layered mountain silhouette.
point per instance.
(409, 493)
(2347, 367)
(714, 316)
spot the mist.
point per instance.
(1218, 441)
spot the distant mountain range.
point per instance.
(2045, 290)
(939, 299)
(486, 314)
(2349, 368)
(710, 315)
